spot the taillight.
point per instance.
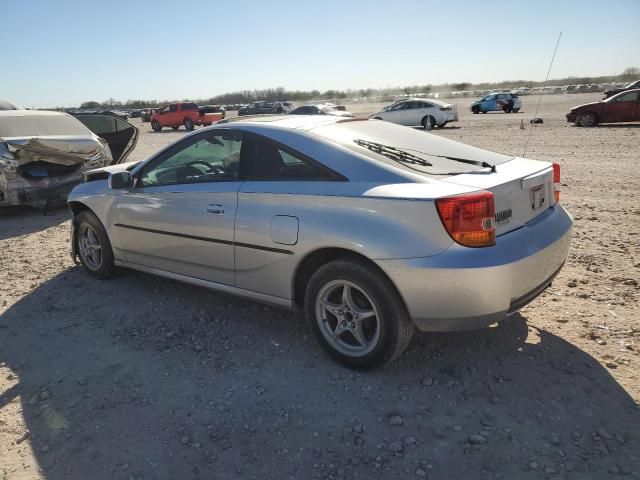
(556, 181)
(445, 109)
(469, 219)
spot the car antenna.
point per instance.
(540, 98)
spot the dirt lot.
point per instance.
(145, 378)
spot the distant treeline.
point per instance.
(280, 93)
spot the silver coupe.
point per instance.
(370, 228)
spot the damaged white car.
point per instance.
(44, 154)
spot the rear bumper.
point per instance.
(468, 288)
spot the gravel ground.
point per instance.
(145, 378)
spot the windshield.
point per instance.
(40, 125)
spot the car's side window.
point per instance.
(208, 157)
(173, 108)
(629, 97)
(426, 105)
(263, 159)
(400, 106)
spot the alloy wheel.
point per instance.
(89, 247)
(348, 318)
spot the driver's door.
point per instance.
(179, 217)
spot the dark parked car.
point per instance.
(320, 109)
(212, 109)
(260, 108)
(615, 91)
(623, 107)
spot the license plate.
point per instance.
(537, 197)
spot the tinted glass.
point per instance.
(628, 97)
(268, 161)
(400, 106)
(189, 106)
(208, 157)
(173, 108)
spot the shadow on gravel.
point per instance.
(15, 221)
(142, 377)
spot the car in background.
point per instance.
(185, 113)
(320, 109)
(497, 102)
(265, 108)
(371, 229)
(43, 155)
(622, 107)
(417, 111)
(614, 91)
(212, 109)
(145, 114)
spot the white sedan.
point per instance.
(416, 111)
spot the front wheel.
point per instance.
(188, 124)
(357, 314)
(176, 127)
(156, 126)
(94, 247)
(475, 109)
(516, 110)
(588, 119)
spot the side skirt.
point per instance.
(249, 294)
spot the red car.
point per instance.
(623, 107)
(187, 114)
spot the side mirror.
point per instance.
(120, 180)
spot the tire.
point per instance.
(176, 127)
(516, 110)
(431, 120)
(156, 126)
(377, 118)
(507, 109)
(93, 246)
(384, 334)
(484, 111)
(188, 124)
(587, 119)
(475, 109)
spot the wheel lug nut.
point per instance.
(353, 325)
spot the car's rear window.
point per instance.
(430, 147)
(33, 124)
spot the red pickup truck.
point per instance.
(187, 114)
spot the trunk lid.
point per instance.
(522, 189)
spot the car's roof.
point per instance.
(416, 99)
(28, 113)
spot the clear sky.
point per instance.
(69, 51)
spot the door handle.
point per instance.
(215, 209)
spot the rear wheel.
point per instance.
(176, 127)
(188, 124)
(588, 119)
(507, 109)
(156, 126)
(357, 314)
(94, 247)
(428, 122)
